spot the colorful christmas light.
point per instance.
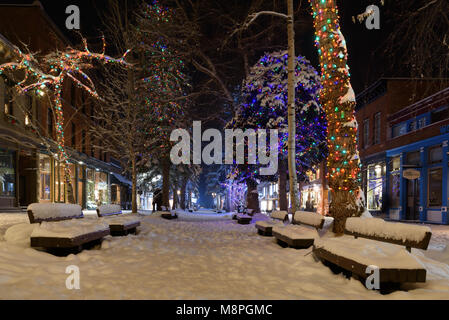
(337, 97)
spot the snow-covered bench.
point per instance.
(382, 246)
(169, 215)
(61, 226)
(265, 228)
(302, 233)
(244, 218)
(119, 225)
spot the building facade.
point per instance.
(29, 169)
(403, 148)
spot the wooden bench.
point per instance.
(386, 245)
(244, 218)
(302, 233)
(119, 224)
(265, 228)
(62, 228)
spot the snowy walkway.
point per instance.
(195, 260)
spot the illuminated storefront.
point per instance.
(7, 176)
(375, 186)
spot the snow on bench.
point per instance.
(381, 247)
(309, 218)
(38, 212)
(69, 228)
(120, 225)
(411, 236)
(302, 233)
(265, 228)
(108, 210)
(62, 226)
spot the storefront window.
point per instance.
(115, 194)
(435, 154)
(394, 189)
(395, 164)
(90, 189)
(80, 185)
(7, 173)
(414, 158)
(101, 187)
(310, 199)
(435, 187)
(374, 188)
(45, 178)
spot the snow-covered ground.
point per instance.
(209, 258)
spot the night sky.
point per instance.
(365, 46)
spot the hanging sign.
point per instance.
(411, 174)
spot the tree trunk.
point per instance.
(175, 198)
(252, 196)
(183, 193)
(68, 183)
(283, 202)
(166, 182)
(134, 188)
(228, 203)
(291, 109)
(190, 200)
(343, 161)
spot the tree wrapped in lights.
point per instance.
(163, 83)
(265, 105)
(48, 74)
(338, 99)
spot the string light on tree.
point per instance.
(48, 74)
(338, 100)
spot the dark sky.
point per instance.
(365, 58)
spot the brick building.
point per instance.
(403, 148)
(29, 171)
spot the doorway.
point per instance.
(412, 200)
(27, 178)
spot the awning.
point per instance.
(122, 179)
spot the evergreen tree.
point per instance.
(264, 106)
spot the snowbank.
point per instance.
(380, 228)
(20, 234)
